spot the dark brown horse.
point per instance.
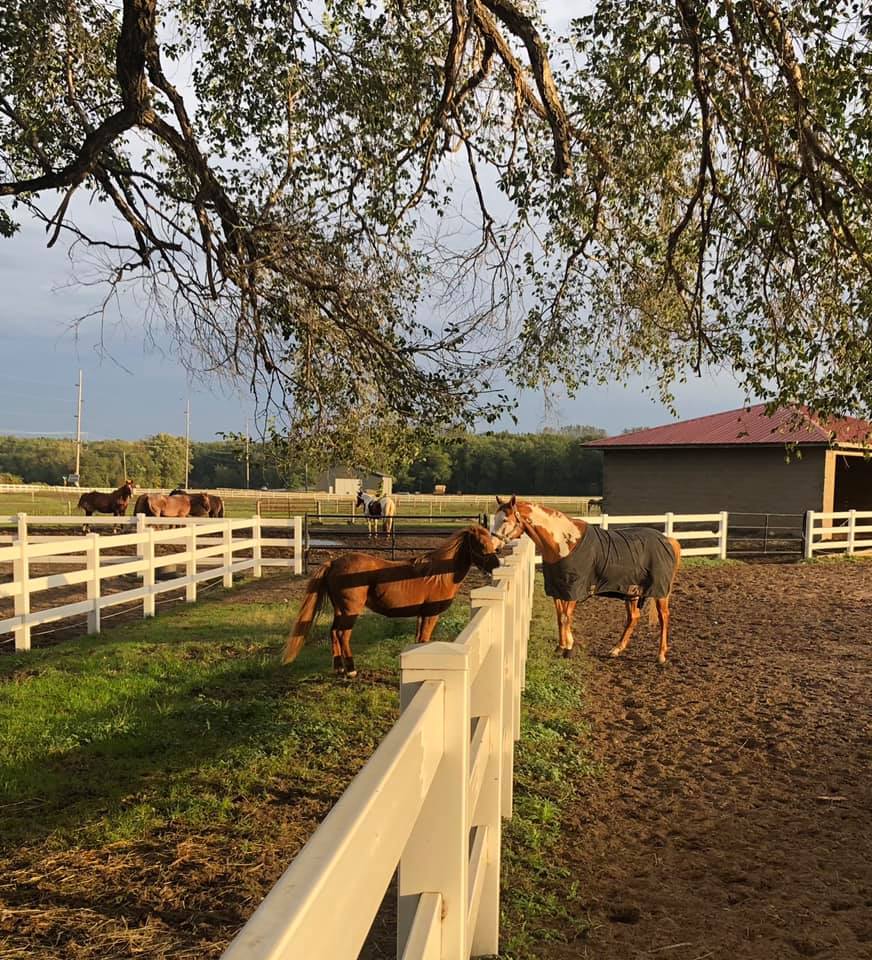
(114, 503)
(580, 560)
(422, 588)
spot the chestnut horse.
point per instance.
(579, 561)
(173, 505)
(423, 587)
(114, 503)
(377, 509)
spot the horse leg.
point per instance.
(630, 626)
(338, 667)
(564, 643)
(663, 616)
(345, 646)
(426, 626)
(568, 638)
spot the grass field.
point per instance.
(155, 780)
(62, 502)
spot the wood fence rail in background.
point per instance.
(430, 801)
(205, 542)
(670, 523)
(848, 530)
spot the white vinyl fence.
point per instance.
(216, 544)
(672, 523)
(847, 530)
(430, 800)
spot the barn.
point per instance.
(744, 461)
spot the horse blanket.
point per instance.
(613, 563)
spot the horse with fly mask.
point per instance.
(580, 560)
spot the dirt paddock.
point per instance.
(732, 819)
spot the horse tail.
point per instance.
(316, 590)
(390, 510)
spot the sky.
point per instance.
(132, 389)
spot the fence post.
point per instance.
(256, 569)
(140, 529)
(21, 574)
(93, 582)
(191, 565)
(852, 523)
(489, 702)
(513, 651)
(298, 545)
(668, 524)
(148, 574)
(722, 535)
(604, 522)
(436, 858)
(227, 580)
(809, 534)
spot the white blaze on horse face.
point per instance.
(501, 527)
(565, 533)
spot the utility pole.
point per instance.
(187, 441)
(247, 463)
(79, 427)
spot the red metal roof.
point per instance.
(751, 425)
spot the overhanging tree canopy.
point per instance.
(380, 204)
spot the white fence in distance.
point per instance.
(430, 800)
(211, 543)
(847, 530)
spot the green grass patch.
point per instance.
(188, 725)
(551, 762)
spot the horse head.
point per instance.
(481, 548)
(508, 522)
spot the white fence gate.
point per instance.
(839, 530)
(215, 544)
(430, 800)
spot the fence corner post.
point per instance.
(227, 554)
(21, 574)
(809, 535)
(298, 544)
(256, 550)
(604, 521)
(668, 523)
(436, 857)
(93, 582)
(852, 523)
(191, 565)
(148, 574)
(490, 702)
(722, 535)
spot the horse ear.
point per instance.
(500, 502)
(513, 501)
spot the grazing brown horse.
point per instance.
(114, 503)
(423, 587)
(201, 503)
(179, 505)
(580, 560)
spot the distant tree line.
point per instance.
(550, 462)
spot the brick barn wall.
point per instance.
(707, 480)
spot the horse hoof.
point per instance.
(661, 659)
(559, 651)
(351, 674)
(567, 653)
(615, 652)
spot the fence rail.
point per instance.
(671, 522)
(430, 801)
(216, 544)
(848, 530)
